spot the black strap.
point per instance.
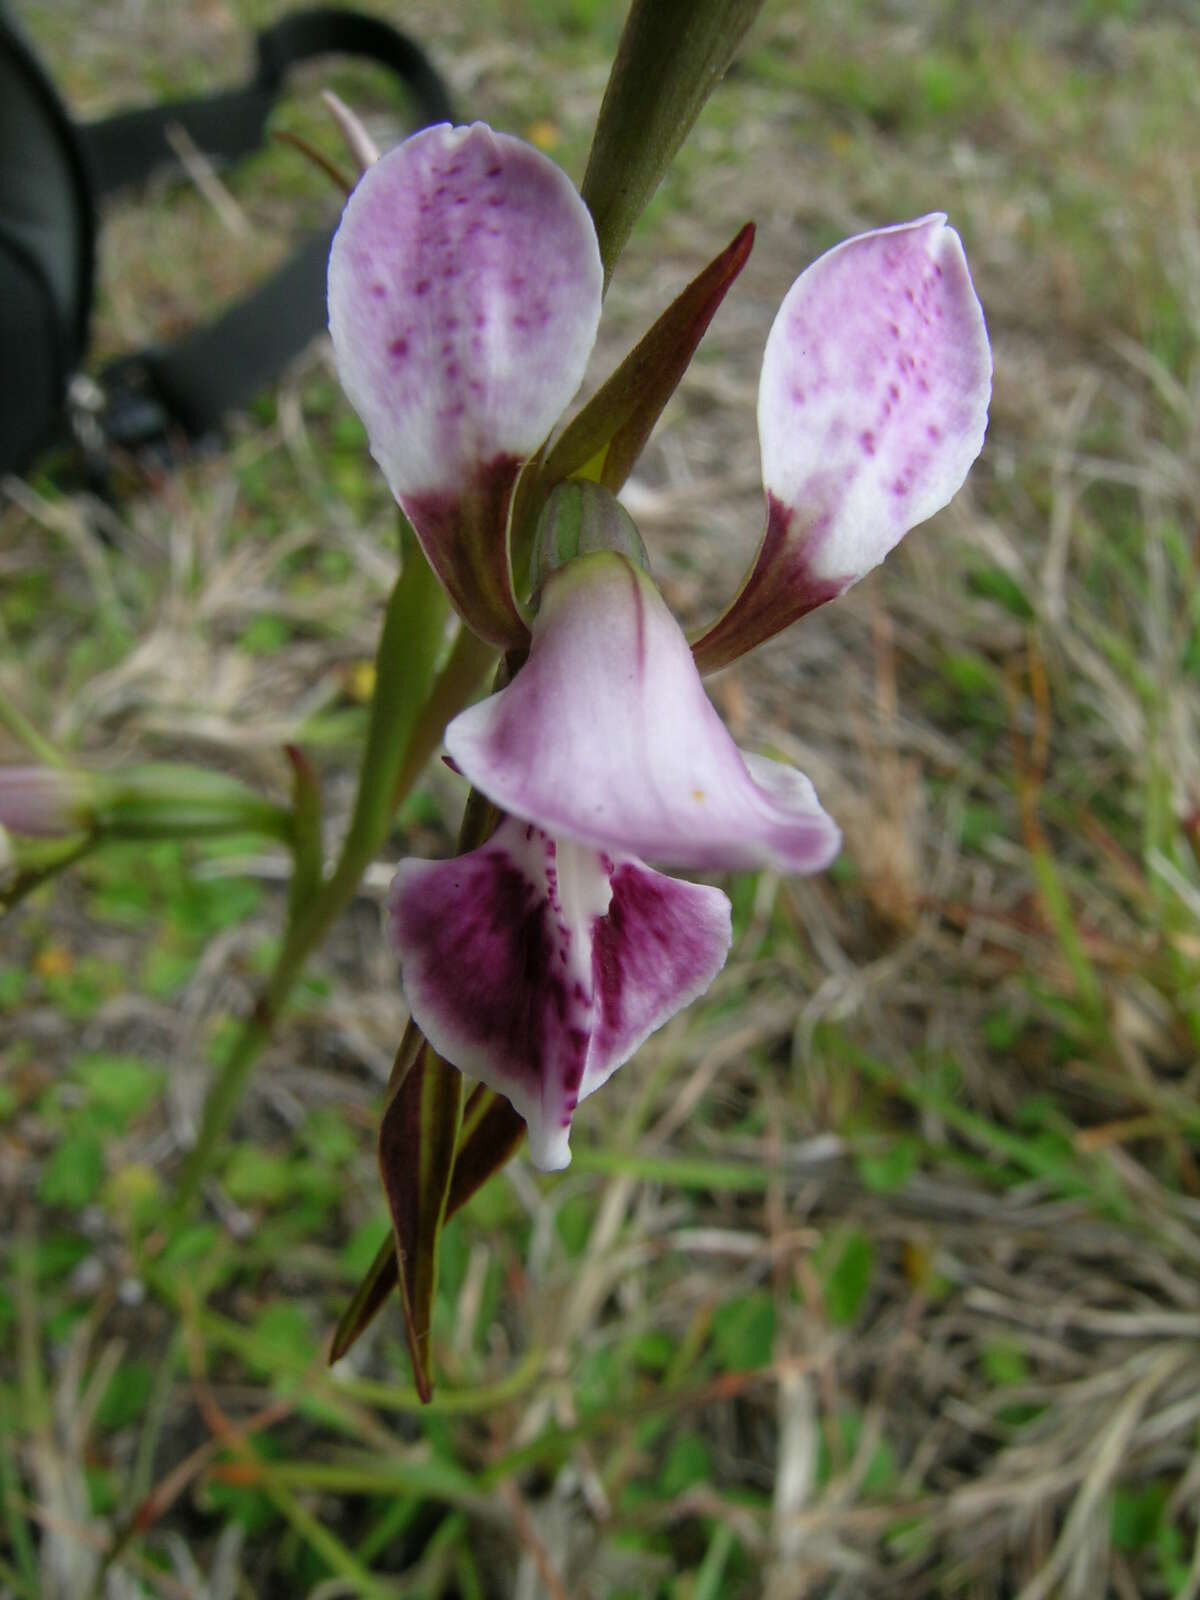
(127, 147)
(218, 367)
(190, 385)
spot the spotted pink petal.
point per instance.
(606, 736)
(464, 296)
(539, 966)
(872, 406)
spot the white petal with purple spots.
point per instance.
(872, 406)
(464, 296)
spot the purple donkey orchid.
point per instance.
(464, 294)
(540, 962)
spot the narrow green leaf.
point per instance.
(710, 1579)
(326, 1545)
(20, 1539)
(417, 1140)
(1057, 905)
(306, 831)
(672, 55)
(426, 1479)
(413, 627)
(618, 419)
(18, 724)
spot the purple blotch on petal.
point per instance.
(492, 972)
(659, 940)
(539, 1007)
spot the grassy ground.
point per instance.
(878, 1272)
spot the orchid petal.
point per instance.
(464, 296)
(872, 406)
(606, 736)
(539, 966)
(659, 947)
(495, 954)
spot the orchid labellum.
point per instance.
(464, 297)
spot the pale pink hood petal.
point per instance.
(464, 296)
(606, 736)
(539, 966)
(872, 406)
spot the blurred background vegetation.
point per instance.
(877, 1273)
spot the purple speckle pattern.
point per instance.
(464, 295)
(539, 967)
(872, 407)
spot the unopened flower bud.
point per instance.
(582, 518)
(46, 801)
(164, 801)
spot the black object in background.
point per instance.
(53, 171)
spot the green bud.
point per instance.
(164, 801)
(581, 518)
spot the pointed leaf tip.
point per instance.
(417, 1140)
(621, 415)
(490, 1135)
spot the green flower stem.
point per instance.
(174, 801)
(307, 862)
(37, 861)
(672, 55)
(413, 628)
(23, 730)
(468, 664)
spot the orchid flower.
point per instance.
(541, 961)
(464, 294)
